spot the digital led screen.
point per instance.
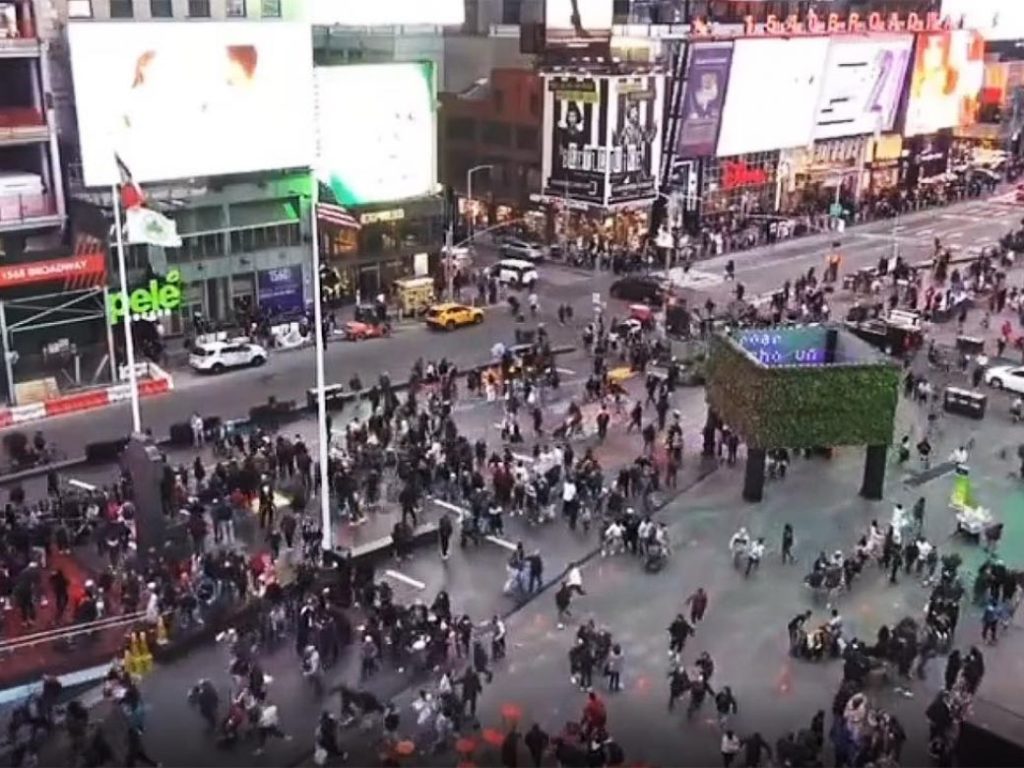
(773, 92)
(794, 346)
(183, 99)
(376, 130)
(946, 83)
(994, 19)
(364, 13)
(863, 83)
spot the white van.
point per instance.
(516, 273)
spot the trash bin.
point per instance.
(964, 402)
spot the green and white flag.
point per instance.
(144, 225)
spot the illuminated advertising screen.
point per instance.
(360, 13)
(636, 107)
(946, 81)
(862, 86)
(178, 100)
(994, 19)
(577, 23)
(376, 127)
(706, 80)
(574, 162)
(773, 94)
(795, 346)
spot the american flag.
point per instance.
(336, 215)
(86, 245)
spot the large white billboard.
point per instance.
(369, 13)
(773, 94)
(994, 19)
(179, 100)
(863, 82)
(376, 130)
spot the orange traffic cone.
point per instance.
(145, 657)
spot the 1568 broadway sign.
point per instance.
(158, 298)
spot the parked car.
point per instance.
(1008, 377)
(646, 290)
(451, 316)
(354, 330)
(516, 248)
(218, 356)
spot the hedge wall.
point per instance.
(801, 406)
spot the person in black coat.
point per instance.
(536, 741)
(471, 688)
(953, 665)
(510, 750)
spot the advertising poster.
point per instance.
(280, 290)
(376, 128)
(179, 100)
(703, 98)
(863, 83)
(575, 157)
(927, 157)
(946, 82)
(578, 23)
(637, 107)
(360, 13)
(774, 85)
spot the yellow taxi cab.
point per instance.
(452, 316)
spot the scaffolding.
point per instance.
(20, 316)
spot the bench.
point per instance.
(427, 532)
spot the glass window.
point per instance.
(271, 9)
(160, 9)
(122, 9)
(498, 134)
(199, 9)
(235, 9)
(80, 9)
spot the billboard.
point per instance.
(181, 99)
(994, 19)
(946, 81)
(773, 94)
(575, 154)
(636, 109)
(577, 23)
(703, 97)
(376, 127)
(279, 290)
(92, 266)
(359, 13)
(862, 86)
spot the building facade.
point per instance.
(494, 126)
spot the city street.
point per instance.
(288, 375)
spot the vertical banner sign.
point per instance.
(280, 289)
(637, 108)
(706, 80)
(575, 158)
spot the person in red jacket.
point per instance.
(595, 716)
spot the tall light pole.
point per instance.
(323, 437)
(469, 195)
(126, 315)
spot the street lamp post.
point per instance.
(323, 435)
(469, 194)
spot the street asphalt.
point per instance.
(745, 626)
(288, 375)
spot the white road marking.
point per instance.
(502, 543)
(405, 579)
(450, 507)
(565, 371)
(954, 235)
(81, 484)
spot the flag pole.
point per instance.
(323, 438)
(126, 315)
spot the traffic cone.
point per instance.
(145, 657)
(130, 665)
(161, 631)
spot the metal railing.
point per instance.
(16, 208)
(70, 631)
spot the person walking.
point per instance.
(537, 742)
(730, 748)
(725, 703)
(444, 535)
(787, 544)
(698, 603)
(990, 622)
(613, 669)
